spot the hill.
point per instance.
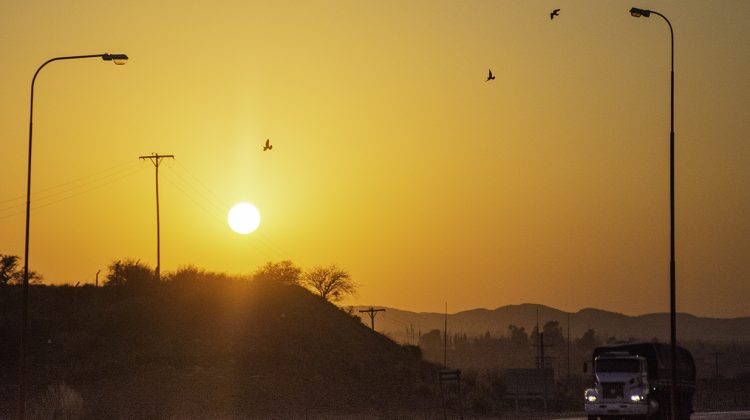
(405, 326)
(198, 349)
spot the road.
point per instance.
(714, 415)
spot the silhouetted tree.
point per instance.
(519, 351)
(554, 337)
(588, 341)
(284, 272)
(129, 273)
(11, 273)
(191, 273)
(519, 339)
(431, 344)
(186, 273)
(8, 268)
(330, 282)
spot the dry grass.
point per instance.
(59, 402)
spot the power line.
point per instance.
(76, 194)
(92, 179)
(87, 179)
(210, 200)
(199, 203)
(198, 180)
(220, 206)
(215, 215)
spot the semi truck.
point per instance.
(633, 381)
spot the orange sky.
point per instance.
(392, 157)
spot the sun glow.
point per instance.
(244, 218)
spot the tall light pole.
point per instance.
(635, 12)
(118, 59)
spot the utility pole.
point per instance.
(445, 339)
(568, 345)
(372, 312)
(156, 158)
(541, 361)
(97, 277)
(539, 343)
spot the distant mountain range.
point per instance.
(405, 326)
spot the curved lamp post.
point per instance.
(636, 12)
(118, 59)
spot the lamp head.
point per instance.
(636, 12)
(118, 59)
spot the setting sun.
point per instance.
(244, 218)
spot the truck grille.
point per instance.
(613, 390)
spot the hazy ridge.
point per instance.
(396, 323)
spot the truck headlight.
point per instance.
(591, 395)
(637, 398)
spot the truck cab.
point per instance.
(621, 387)
(635, 380)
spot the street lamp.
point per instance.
(636, 12)
(118, 59)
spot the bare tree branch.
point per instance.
(329, 282)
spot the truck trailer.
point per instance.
(633, 381)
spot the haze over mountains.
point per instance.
(405, 326)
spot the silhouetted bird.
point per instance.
(490, 77)
(554, 13)
(268, 145)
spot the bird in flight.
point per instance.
(490, 77)
(268, 145)
(554, 13)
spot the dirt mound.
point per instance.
(198, 349)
